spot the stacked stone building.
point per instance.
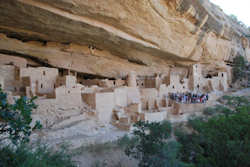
(121, 101)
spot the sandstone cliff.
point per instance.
(112, 37)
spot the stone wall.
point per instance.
(44, 78)
(8, 78)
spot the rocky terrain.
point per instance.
(109, 38)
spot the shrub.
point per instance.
(15, 124)
(16, 118)
(151, 146)
(42, 156)
(125, 141)
(236, 101)
(220, 141)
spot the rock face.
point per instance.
(112, 37)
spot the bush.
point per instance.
(220, 141)
(16, 118)
(151, 146)
(125, 141)
(42, 156)
(236, 101)
(15, 124)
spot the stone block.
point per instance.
(133, 95)
(89, 99)
(134, 108)
(124, 120)
(121, 96)
(104, 106)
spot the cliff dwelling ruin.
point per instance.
(120, 102)
(111, 63)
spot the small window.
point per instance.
(44, 73)
(114, 82)
(68, 92)
(173, 87)
(0, 85)
(54, 86)
(198, 86)
(41, 85)
(183, 87)
(222, 75)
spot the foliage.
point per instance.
(16, 118)
(42, 156)
(217, 110)
(236, 102)
(239, 67)
(97, 148)
(125, 141)
(222, 140)
(151, 147)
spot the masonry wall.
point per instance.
(44, 78)
(102, 83)
(196, 80)
(68, 97)
(150, 82)
(149, 97)
(133, 95)
(46, 112)
(89, 99)
(8, 78)
(104, 106)
(120, 97)
(223, 80)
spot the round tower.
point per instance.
(131, 79)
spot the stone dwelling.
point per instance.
(120, 102)
(42, 79)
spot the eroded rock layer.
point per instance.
(112, 37)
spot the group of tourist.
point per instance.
(189, 98)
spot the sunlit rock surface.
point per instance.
(112, 37)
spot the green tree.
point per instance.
(16, 118)
(151, 146)
(42, 156)
(223, 140)
(16, 125)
